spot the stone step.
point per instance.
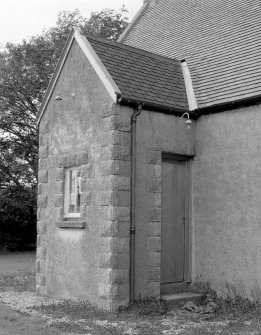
(171, 288)
(177, 299)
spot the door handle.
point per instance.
(184, 220)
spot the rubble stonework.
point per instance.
(100, 271)
(88, 257)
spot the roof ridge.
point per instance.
(132, 49)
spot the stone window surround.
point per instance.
(66, 161)
(67, 199)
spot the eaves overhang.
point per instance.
(195, 114)
(151, 106)
(230, 105)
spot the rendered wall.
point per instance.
(156, 133)
(227, 191)
(93, 262)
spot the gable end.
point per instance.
(103, 74)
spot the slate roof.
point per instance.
(143, 76)
(220, 40)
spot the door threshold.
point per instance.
(169, 288)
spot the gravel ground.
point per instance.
(24, 301)
(80, 318)
(177, 322)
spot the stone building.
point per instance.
(149, 168)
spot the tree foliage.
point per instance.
(107, 23)
(17, 202)
(25, 70)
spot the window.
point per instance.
(72, 192)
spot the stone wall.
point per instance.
(227, 195)
(115, 202)
(87, 258)
(156, 133)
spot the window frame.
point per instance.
(67, 203)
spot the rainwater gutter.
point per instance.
(134, 117)
(147, 105)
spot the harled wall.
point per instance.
(156, 133)
(91, 262)
(227, 193)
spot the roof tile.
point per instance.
(220, 40)
(141, 75)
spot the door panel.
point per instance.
(174, 208)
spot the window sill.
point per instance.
(77, 224)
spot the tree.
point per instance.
(107, 23)
(22, 84)
(17, 203)
(25, 71)
(24, 75)
(26, 68)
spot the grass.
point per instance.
(236, 307)
(147, 316)
(24, 281)
(13, 323)
(146, 306)
(139, 316)
(227, 316)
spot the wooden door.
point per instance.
(174, 231)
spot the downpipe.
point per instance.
(134, 117)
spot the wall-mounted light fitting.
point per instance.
(188, 121)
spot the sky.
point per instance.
(21, 19)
